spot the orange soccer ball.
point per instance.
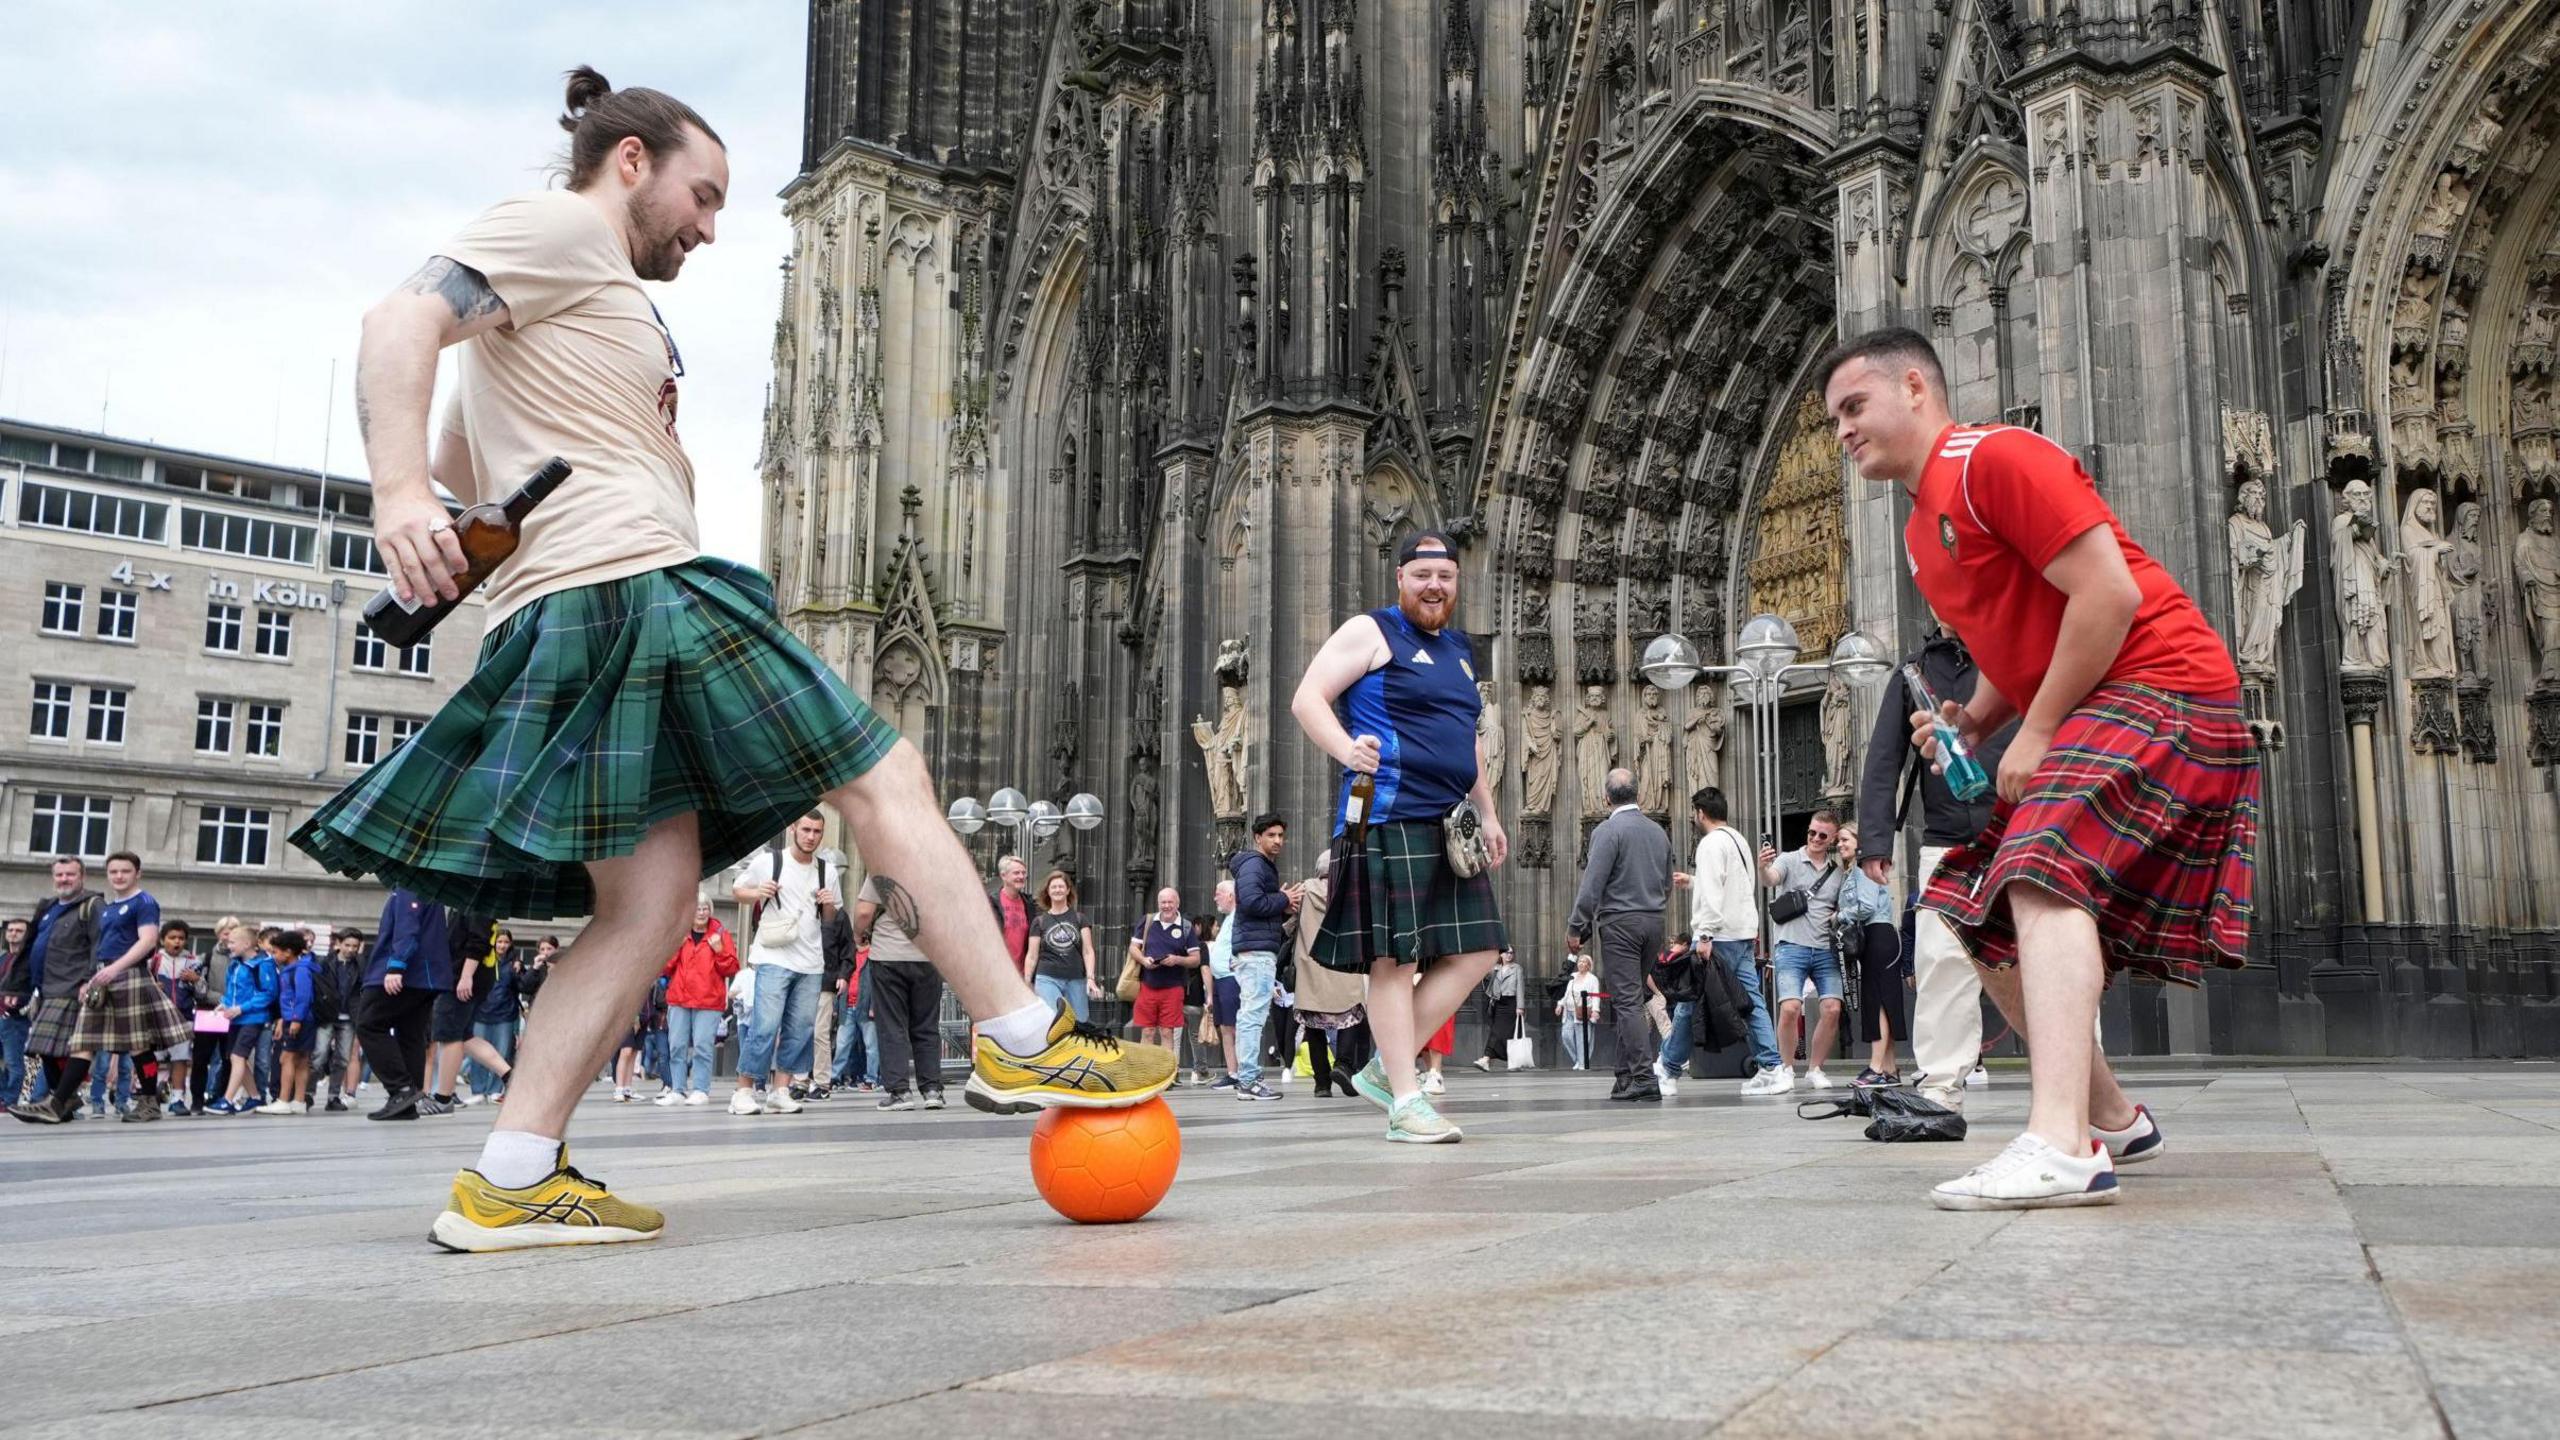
(1103, 1167)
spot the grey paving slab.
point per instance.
(2329, 1251)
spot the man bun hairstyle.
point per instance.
(599, 116)
(1895, 348)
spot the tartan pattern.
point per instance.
(595, 713)
(56, 1017)
(2145, 814)
(1418, 909)
(137, 1017)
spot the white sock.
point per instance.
(514, 1159)
(1021, 1032)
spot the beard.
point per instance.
(1428, 615)
(656, 254)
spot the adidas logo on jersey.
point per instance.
(1960, 444)
(1422, 657)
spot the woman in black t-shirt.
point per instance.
(1060, 952)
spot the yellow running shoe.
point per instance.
(1083, 1067)
(563, 1208)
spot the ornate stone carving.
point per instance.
(1540, 756)
(2542, 722)
(1648, 548)
(1537, 842)
(2462, 567)
(1222, 747)
(2364, 577)
(1648, 610)
(1144, 811)
(1839, 730)
(2422, 555)
(1595, 633)
(1595, 750)
(2360, 695)
(1702, 735)
(2265, 574)
(2479, 723)
(1801, 567)
(1065, 739)
(2431, 721)
(1653, 754)
(2537, 571)
(1489, 739)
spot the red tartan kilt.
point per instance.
(2145, 814)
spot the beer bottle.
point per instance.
(488, 533)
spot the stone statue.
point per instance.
(2265, 574)
(1595, 750)
(1489, 737)
(1839, 723)
(1142, 811)
(1653, 755)
(2470, 602)
(1539, 757)
(2422, 553)
(1223, 749)
(1702, 736)
(2538, 586)
(1065, 741)
(2364, 578)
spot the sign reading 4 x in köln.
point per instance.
(284, 594)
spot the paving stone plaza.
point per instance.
(2330, 1251)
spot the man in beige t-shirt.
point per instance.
(639, 716)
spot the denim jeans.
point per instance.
(1736, 957)
(1256, 972)
(782, 1034)
(691, 1036)
(1677, 1046)
(1053, 988)
(653, 1053)
(119, 1066)
(13, 1057)
(501, 1035)
(850, 1051)
(870, 1051)
(1799, 963)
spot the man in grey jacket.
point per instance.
(1625, 883)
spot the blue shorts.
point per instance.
(1224, 996)
(1798, 963)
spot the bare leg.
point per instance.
(644, 902)
(444, 1068)
(1446, 987)
(1789, 1012)
(1880, 1050)
(2061, 977)
(2108, 1104)
(1393, 998)
(898, 827)
(1227, 1042)
(490, 1060)
(1826, 1032)
(355, 1067)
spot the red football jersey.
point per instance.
(1996, 504)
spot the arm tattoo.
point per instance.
(899, 906)
(462, 287)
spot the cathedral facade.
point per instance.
(1124, 340)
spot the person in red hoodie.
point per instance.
(697, 996)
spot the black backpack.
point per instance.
(326, 1001)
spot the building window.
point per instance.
(243, 535)
(353, 550)
(263, 736)
(50, 717)
(418, 659)
(119, 614)
(222, 627)
(62, 608)
(106, 715)
(116, 463)
(70, 825)
(371, 653)
(370, 737)
(275, 634)
(26, 448)
(213, 727)
(232, 835)
(374, 653)
(404, 726)
(54, 507)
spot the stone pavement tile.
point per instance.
(2455, 1214)
(1511, 1195)
(2480, 1320)
(1963, 1390)
(2442, 1160)
(1273, 1415)
(1367, 1174)
(615, 1378)
(201, 1349)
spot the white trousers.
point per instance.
(1946, 1013)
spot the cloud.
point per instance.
(204, 199)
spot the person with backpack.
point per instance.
(793, 890)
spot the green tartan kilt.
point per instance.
(594, 714)
(1419, 910)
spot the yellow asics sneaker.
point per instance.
(563, 1208)
(1083, 1067)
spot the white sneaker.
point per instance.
(1776, 1080)
(779, 1102)
(1977, 1079)
(1670, 1084)
(1483, 1064)
(470, 1098)
(622, 1094)
(1432, 1084)
(698, 1097)
(744, 1102)
(2031, 1175)
(2136, 1142)
(667, 1098)
(1814, 1079)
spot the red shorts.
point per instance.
(1444, 1040)
(1159, 1009)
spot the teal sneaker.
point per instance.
(1371, 1082)
(1415, 1122)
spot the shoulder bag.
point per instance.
(1463, 830)
(1791, 904)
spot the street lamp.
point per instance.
(1008, 808)
(1037, 819)
(1044, 819)
(1084, 811)
(968, 816)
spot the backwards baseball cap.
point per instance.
(1422, 543)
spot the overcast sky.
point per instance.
(202, 200)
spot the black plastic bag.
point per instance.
(1906, 1115)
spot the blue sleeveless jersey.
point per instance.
(1422, 705)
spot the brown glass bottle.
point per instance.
(1364, 798)
(488, 532)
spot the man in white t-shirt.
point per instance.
(1724, 922)
(794, 892)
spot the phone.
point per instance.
(1965, 775)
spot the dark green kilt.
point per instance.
(1419, 910)
(594, 714)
